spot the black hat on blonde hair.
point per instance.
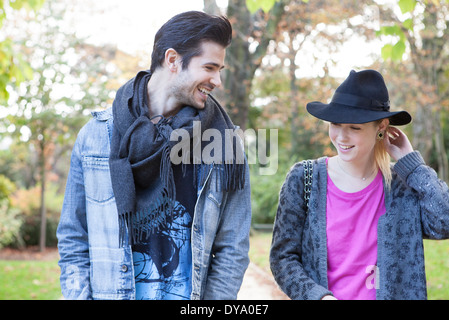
(361, 98)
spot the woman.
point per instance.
(361, 234)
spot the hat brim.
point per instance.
(338, 113)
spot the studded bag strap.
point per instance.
(308, 174)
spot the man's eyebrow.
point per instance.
(219, 66)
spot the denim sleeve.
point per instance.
(229, 256)
(286, 255)
(433, 194)
(72, 234)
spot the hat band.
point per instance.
(361, 102)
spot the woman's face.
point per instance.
(354, 142)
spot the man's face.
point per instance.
(193, 85)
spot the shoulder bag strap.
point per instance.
(308, 173)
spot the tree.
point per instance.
(49, 109)
(324, 24)
(13, 67)
(323, 28)
(423, 33)
(252, 34)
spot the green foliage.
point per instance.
(264, 204)
(50, 106)
(27, 203)
(407, 5)
(7, 187)
(19, 4)
(395, 51)
(10, 219)
(49, 110)
(265, 189)
(10, 223)
(29, 234)
(14, 69)
(265, 5)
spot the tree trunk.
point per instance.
(294, 91)
(423, 131)
(443, 165)
(43, 213)
(427, 129)
(238, 75)
(241, 64)
(210, 6)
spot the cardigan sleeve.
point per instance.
(286, 249)
(433, 194)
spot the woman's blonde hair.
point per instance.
(382, 158)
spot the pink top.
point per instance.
(352, 239)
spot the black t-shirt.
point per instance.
(163, 264)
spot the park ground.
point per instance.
(33, 275)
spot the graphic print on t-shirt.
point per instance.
(163, 264)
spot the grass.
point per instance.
(259, 250)
(437, 269)
(436, 256)
(39, 280)
(29, 280)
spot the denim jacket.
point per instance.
(94, 266)
(417, 207)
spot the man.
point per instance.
(136, 225)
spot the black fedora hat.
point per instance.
(361, 98)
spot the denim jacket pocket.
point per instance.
(97, 179)
(112, 274)
(215, 197)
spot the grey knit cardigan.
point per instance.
(417, 207)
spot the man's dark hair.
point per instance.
(186, 32)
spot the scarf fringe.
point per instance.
(140, 225)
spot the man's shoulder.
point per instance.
(102, 115)
(98, 118)
(96, 132)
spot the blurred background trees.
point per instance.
(305, 59)
(284, 54)
(45, 110)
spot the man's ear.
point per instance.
(172, 59)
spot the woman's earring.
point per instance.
(380, 135)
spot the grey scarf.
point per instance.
(140, 166)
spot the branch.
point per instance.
(275, 16)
